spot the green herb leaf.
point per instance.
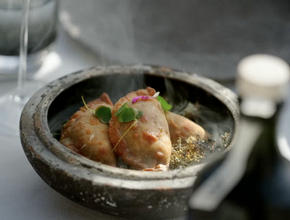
(120, 117)
(138, 113)
(127, 114)
(103, 113)
(123, 107)
(164, 104)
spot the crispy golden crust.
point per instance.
(147, 144)
(86, 135)
(181, 127)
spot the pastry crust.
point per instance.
(182, 127)
(147, 145)
(86, 135)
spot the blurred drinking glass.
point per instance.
(42, 22)
(27, 31)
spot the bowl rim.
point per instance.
(46, 147)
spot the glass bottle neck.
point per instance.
(265, 115)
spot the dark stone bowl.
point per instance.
(117, 191)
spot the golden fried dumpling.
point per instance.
(182, 127)
(86, 135)
(147, 145)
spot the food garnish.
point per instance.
(135, 121)
(164, 104)
(146, 97)
(103, 113)
(127, 114)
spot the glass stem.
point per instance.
(22, 72)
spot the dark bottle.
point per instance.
(252, 180)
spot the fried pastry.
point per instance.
(182, 127)
(146, 145)
(86, 135)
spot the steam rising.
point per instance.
(211, 120)
(207, 37)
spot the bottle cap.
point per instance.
(263, 76)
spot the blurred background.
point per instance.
(206, 37)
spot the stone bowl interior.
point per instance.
(117, 191)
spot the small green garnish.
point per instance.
(87, 106)
(127, 114)
(164, 104)
(103, 113)
(121, 109)
(135, 121)
(138, 113)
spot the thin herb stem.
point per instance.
(87, 106)
(135, 121)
